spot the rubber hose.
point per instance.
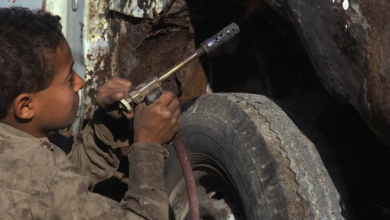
(189, 178)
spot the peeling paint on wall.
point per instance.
(139, 8)
(96, 51)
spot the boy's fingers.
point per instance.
(119, 88)
(124, 82)
(174, 105)
(165, 99)
(176, 114)
(129, 115)
(140, 106)
(117, 83)
(119, 93)
(116, 80)
(178, 123)
(112, 96)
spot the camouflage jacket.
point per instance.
(38, 180)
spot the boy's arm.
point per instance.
(93, 149)
(145, 198)
(60, 193)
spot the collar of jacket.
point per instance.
(8, 133)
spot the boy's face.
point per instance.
(58, 104)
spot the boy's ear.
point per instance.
(23, 106)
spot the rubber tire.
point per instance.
(276, 170)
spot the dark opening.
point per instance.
(268, 58)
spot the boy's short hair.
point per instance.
(28, 41)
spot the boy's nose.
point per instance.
(79, 83)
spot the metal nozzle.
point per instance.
(207, 46)
(222, 37)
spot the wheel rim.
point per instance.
(218, 199)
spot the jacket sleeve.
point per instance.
(145, 199)
(93, 149)
(146, 196)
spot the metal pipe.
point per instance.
(199, 52)
(189, 178)
(208, 46)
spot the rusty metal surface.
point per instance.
(157, 55)
(346, 40)
(348, 43)
(96, 52)
(116, 44)
(144, 48)
(140, 8)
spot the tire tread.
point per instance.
(300, 173)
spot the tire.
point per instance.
(248, 144)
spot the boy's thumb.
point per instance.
(118, 96)
(140, 107)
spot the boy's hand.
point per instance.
(112, 91)
(157, 123)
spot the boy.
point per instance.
(38, 95)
